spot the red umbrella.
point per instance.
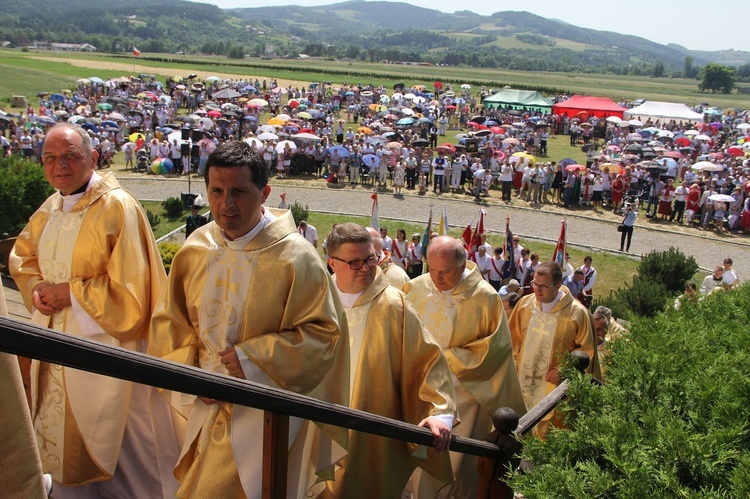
(450, 107)
(438, 85)
(682, 141)
(716, 155)
(497, 129)
(476, 126)
(214, 114)
(735, 151)
(446, 148)
(674, 154)
(575, 167)
(293, 103)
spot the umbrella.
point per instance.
(253, 142)
(135, 136)
(370, 160)
(420, 142)
(682, 142)
(483, 133)
(63, 112)
(304, 115)
(743, 126)
(212, 79)
(227, 93)
(531, 159)
(342, 151)
(46, 120)
(707, 166)
(365, 130)
(567, 161)
(575, 167)
(116, 116)
(405, 121)
(722, 198)
(587, 126)
(276, 121)
(446, 148)
(257, 103)
(733, 151)
(56, 97)
(665, 133)
(466, 86)
(674, 154)
(214, 114)
(613, 119)
(83, 81)
(94, 79)
(613, 148)
(691, 132)
(635, 123)
(306, 136)
(104, 106)
(702, 137)
(268, 136)
(282, 145)
(610, 167)
(407, 112)
(161, 166)
(478, 119)
(511, 140)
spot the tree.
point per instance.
(689, 69)
(659, 69)
(717, 77)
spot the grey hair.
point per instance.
(88, 147)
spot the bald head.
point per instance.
(377, 241)
(446, 247)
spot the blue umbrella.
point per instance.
(349, 94)
(56, 98)
(94, 79)
(313, 85)
(424, 120)
(110, 124)
(370, 160)
(90, 126)
(342, 151)
(46, 120)
(567, 161)
(405, 121)
(249, 88)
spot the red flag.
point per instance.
(466, 236)
(374, 217)
(136, 52)
(474, 244)
(562, 247)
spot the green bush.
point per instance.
(23, 189)
(153, 219)
(167, 252)
(619, 308)
(643, 297)
(173, 207)
(671, 268)
(299, 213)
(672, 419)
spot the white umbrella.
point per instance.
(306, 136)
(385, 98)
(409, 96)
(466, 86)
(283, 116)
(253, 142)
(722, 198)
(116, 116)
(702, 137)
(407, 112)
(397, 95)
(743, 126)
(268, 136)
(623, 124)
(691, 133)
(282, 145)
(206, 122)
(614, 119)
(635, 123)
(665, 133)
(266, 128)
(707, 166)
(419, 100)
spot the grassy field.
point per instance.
(167, 224)
(25, 75)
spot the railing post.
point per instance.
(494, 472)
(275, 454)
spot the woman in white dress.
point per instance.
(398, 249)
(457, 169)
(399, 174)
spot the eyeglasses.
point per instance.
(542, 287)
(371, 262)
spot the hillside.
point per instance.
(356, 30)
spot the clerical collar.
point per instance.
(547, 307)
(465, 273)
(69, 201)
(243, 241)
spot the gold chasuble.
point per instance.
(272, 298)
(104, 249)
(400, 374)
(541, 338)
(471, 327)
(20, 468)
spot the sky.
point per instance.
(694, 24)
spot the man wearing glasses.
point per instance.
(544, 326)
(414, 388)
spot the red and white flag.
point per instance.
(562, 246)
(136, 52)
(374, 217)
(474, 244)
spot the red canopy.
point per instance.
(601, 107)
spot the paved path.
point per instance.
(541, 224)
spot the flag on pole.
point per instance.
(510, 265)
(475, 242)
(562, 246)
(374, 217)
(426, 236)
(443, 225)
(136, 52)
(466, 236)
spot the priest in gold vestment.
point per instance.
(87, 264)
(20, 467)
(247, 296)
(396, 276)
(397, 371)
(465, 315)
(545, 326)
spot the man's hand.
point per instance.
(56, 296)
(440, 432)
(39, 298)
(232, 362)
(553, 376)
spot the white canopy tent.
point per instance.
(663, 111)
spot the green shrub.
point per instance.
(618, 306)
(167, 252)
(173, 207)
(671, 420)
(299, 213)
(671, 268)
(23, 189)
(643, 297)
(153, 219)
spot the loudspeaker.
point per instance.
(195, 150)
(185, 149)
(197, 135)
(185, 133)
